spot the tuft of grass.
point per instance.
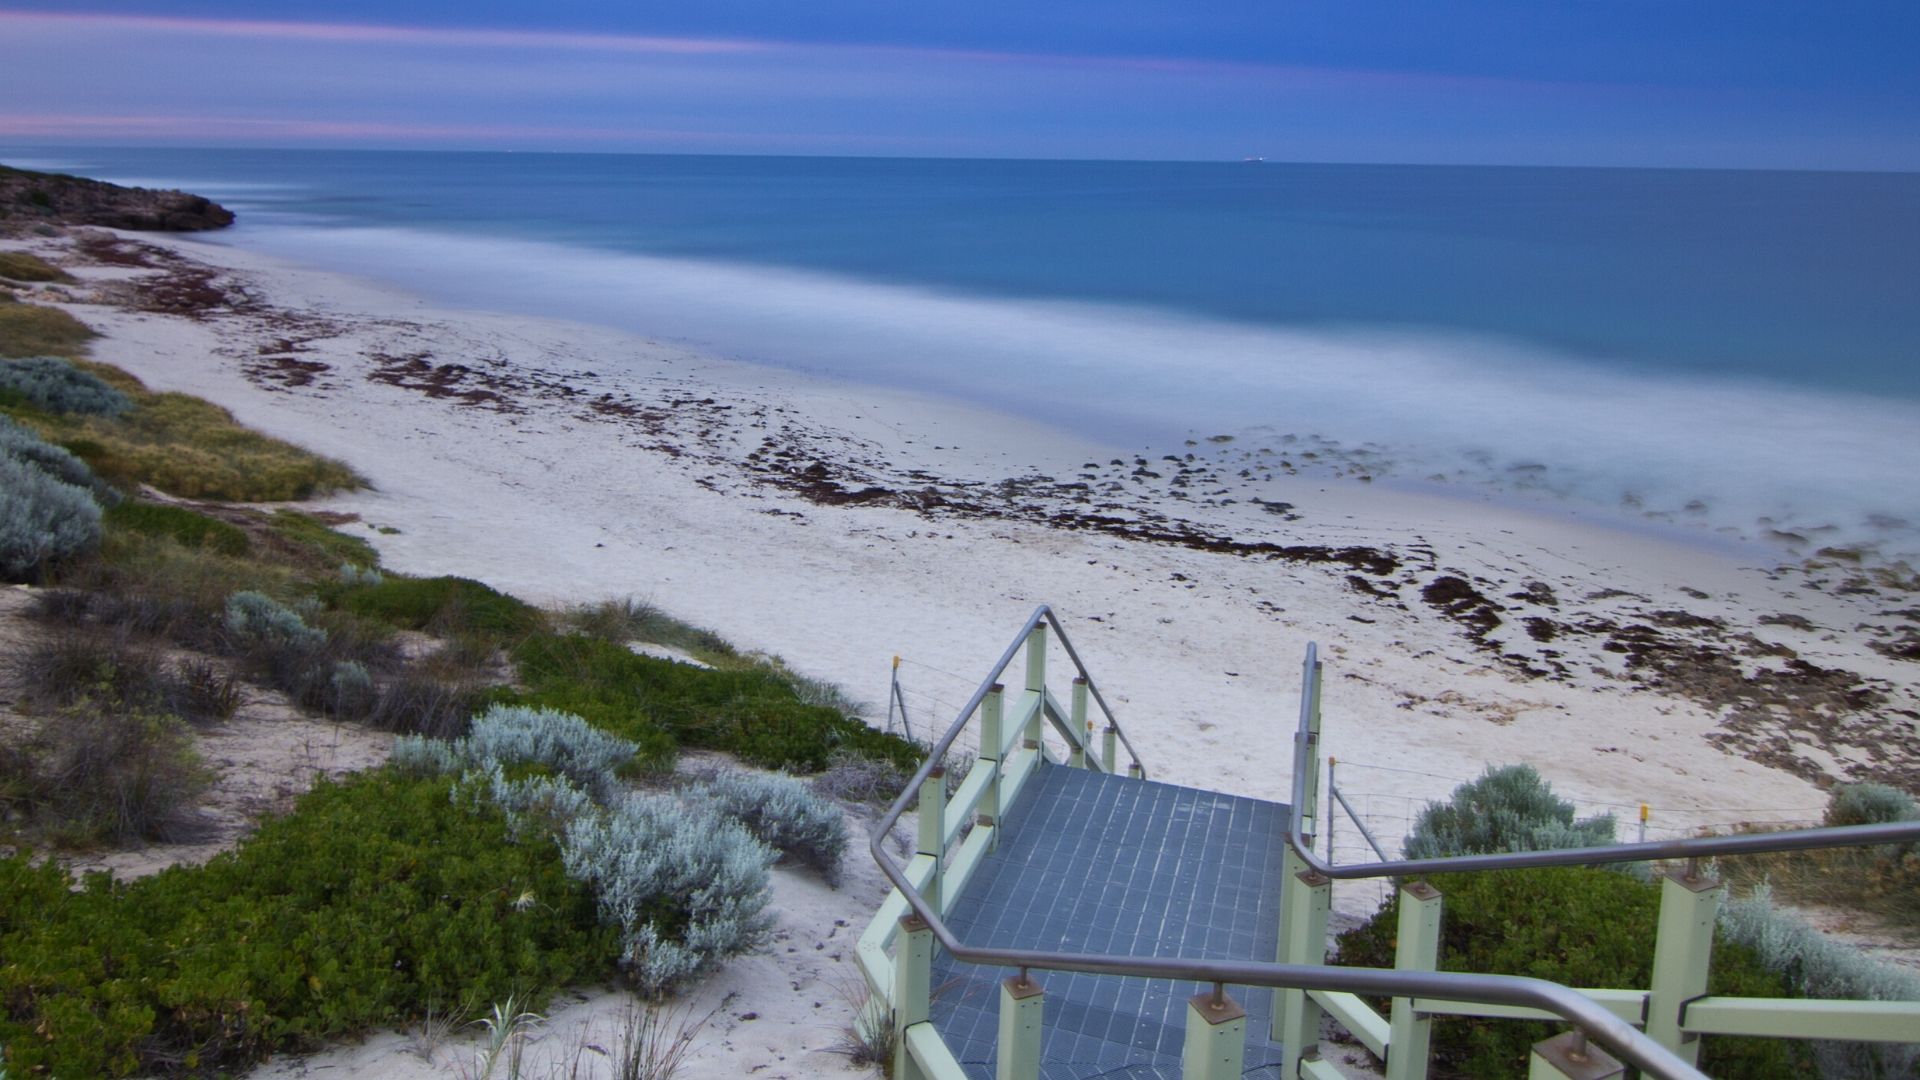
(70, 669)
(626, 619)
(95, 774)
(185, 527)
(35, 330)
(329, 547)
(22, 266)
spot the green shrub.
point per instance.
(374, 897)
(53, 385)
(22, 266)
(1869, 804)
(181, 525)
(1814, 967)
(752, 713)
(785, 814)
(1506, 809)
(446, 606)
(319, 545)
(626, 619)
(42, 520)
(1574, 926)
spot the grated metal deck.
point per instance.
(1107, 864)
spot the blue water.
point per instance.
(1738, 349)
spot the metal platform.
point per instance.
(1099, 863)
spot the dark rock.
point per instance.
(74, 200)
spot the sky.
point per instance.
(1698, 83)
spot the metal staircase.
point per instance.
(1063, 918)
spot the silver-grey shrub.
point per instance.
(257, 620)
(1507, 809)
(353, 574)
(1817, 967)
(785, 814)
(508, 735)
(1869, 804)
(19, 441)
(42, 519)
(653, 860)
(56, 386)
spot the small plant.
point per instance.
(513, 737)
(53, 385)
(353, 574)
(784, 813)
(350, 692)
(1869, 804)
(42, 520)
(869, 1038)
(1816, 967)
(67, 669)
(418, 703)
(652, 1041)
(257, 621)
(855, 778)
(1506, 809)
(56, 461)
(685, 889)
(509, 1030)
(92, 774)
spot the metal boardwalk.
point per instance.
(1096, 863)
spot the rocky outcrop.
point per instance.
(72, 200)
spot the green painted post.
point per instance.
(992, 739)
(1036, 679)
(1081, 725)
(1216, 1046)
(933, 834)
(1418, 949)
(1110, 748)
(1305, 899)
(1568, 1056)
(1310, 812)
(1021, 1002)
(1684, 945)
(912, 991)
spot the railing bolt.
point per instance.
(1578, 1051)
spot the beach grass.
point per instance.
(38, 330)
(21, 266)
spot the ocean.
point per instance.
(1735, 353)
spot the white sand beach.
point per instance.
(838, 525)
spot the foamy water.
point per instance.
(1729, 454)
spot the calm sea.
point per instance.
(1735, 349)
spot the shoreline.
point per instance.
(838, 526)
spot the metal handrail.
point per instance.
(1610, 1031)
(1699, 847)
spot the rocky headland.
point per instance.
(28, 197)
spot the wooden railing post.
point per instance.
(1682, 949)
(912, 991)
(1418, 949)
(1306, 897)
(1036, 681)
(993, 741)
(1021, 1005)
(1216, 1046)
(1081, 725)
(933, 835)
(1568, 1056)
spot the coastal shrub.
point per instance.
(356, 574)
(849, 777)
(37, 330)
(445, 606)
(56, 461)
(66, 669)
(785, 814)
(1869, 804)
(257, 621)
(1574, 926)
(103, 773)
(1816, 967)
(53, 385)
(1507, 809)
(373, 897)
(42, 520)
(179, 524)
(685, 888)
(508, 737)
(350, 690)
(411, 702)
(626, 619)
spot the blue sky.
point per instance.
(1672, 82)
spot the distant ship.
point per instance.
(1252, 160)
